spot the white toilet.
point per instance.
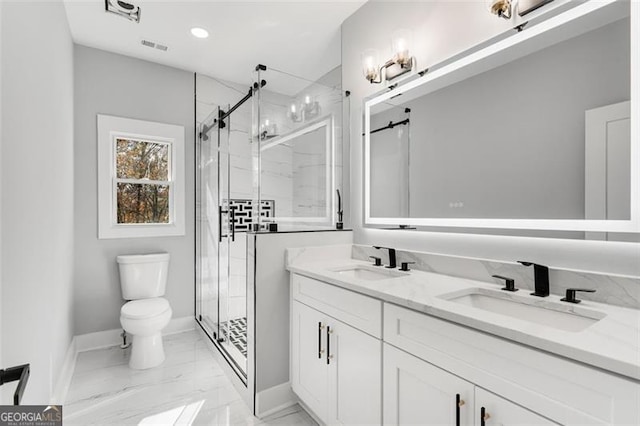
(143, 279)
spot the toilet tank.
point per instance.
(143, 276)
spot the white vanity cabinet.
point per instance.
(358, 360)
(336, 368)
(491, 410)
(527, 386)
(418, 393)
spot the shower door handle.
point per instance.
(232, 213)
(233, 223)
(220, 212)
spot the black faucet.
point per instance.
(392, 256)
(541, 279)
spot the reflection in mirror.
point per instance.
(299, 165)
(300, 152)
(545, 136)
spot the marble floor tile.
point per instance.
(188, 388)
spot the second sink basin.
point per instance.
(548, 313)
(368, 273)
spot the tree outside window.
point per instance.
(142, 181)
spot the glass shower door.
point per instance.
(227, 233)
(209, 230)
(220, 245)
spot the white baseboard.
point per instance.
(104, 339)
(272, 400)
(66, 373)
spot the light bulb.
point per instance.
(370, 64)
(400, 45)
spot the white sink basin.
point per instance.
(557, 315)
(368, 273)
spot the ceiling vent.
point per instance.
(153, 45)
(124, 9)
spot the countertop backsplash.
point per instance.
(615, 290)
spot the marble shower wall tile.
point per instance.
(611, 289)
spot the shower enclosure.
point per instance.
(268, 154)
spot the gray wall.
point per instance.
(108, 83)
(36, 193)
(510, 142)
(442, 30)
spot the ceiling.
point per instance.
(301, 37)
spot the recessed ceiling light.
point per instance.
(199, 32)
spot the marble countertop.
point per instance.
(612, 343)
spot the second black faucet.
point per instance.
(540, 277)
(392, 256)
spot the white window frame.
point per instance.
(110, 129)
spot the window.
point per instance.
(140, 178)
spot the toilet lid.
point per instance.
(145, 308)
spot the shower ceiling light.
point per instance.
(199, 32)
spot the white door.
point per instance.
(355, 376)
(491, 410)
(608, 166)
(309, 372)
(418, 393)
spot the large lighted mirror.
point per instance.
(297, 173)
(532, 133)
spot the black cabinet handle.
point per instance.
(20, 373)
(320, 327)
(484, 416)
(457, 409)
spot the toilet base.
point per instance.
(146, 351)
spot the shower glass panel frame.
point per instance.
(216, 234)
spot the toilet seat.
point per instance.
(145, 308)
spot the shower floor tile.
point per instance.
(238, 334)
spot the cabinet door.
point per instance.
(309, 379)
(355, 376)
(500, 412)
(419, 393)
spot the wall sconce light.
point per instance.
(268, 129)
(310, 108)
(401, 62)
(294, 115)
(501, 8)
(302, 111)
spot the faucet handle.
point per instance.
(404, 266)
(510, 283)
(571, 294)
(377, 260)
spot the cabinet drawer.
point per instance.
(567, 392)
(356, 310)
